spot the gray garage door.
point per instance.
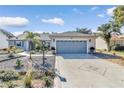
(71, 47)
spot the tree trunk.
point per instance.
(108, 46)
(30, 56)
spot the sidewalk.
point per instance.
(27, 54)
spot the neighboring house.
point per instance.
(4, 36)
(21, 41)
(118, 40)
(115, 40)
(73, 42)
(100, 43)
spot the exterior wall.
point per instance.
(100, 43)
(90, 41)
(24, 44)
(3, 41)
(27, 45)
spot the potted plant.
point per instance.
(92, 50)
(53, 50)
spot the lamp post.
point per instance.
(43, 43)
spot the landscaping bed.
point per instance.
(21, 68)
(5, 51)
(6, 57)
(36, 79)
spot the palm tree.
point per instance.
(119, 15)
(106, 31)
(32, 38)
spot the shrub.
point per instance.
(22, 73)
(28, 81)
(10, 84)
(119, 48)
(8, 75)
(11, 54)
(19, 50)
(48, 81)
(5, 49)
(19, 63)
(50, 73)
(36, 74)
(38, 48)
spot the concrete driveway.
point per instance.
(84, 70)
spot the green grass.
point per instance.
(121, 53)
(118, 52)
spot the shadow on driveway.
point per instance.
(97, 55)
(106, 56)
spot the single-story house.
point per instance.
(118, 40)
(115, 40)
(21, 42)
(4, 36)
(72, 42)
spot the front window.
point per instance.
(18, 43)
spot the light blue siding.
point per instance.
(23, 44)
(71, 47)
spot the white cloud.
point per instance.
(110, 11)
(77, 11)
(13, 21)
(101, 15)
(16, 33)
(55, 20)
(94, 8)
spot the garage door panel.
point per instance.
(71, 47)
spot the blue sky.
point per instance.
(17, 19)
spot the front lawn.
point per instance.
(121, 53)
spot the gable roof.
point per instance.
(24, 35)
(72, 34)
(8, 34)
(20, 37)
